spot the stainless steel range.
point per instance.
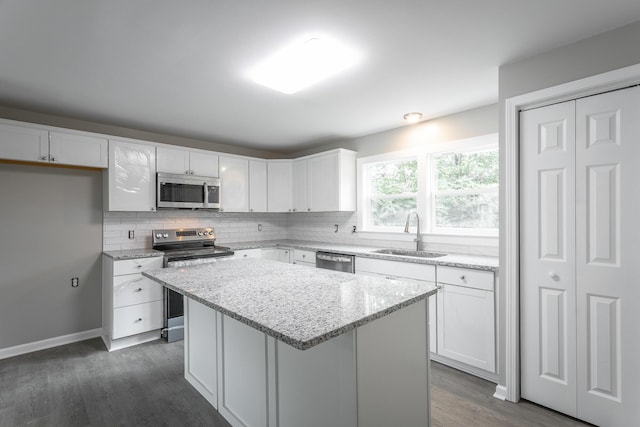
(184, 247)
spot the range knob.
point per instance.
(158, 236)
(200, 233)
(165, 235)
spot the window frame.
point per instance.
(425, 196)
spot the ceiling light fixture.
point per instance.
(303, 64)
(413, 117)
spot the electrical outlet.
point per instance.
(75, 282)
(259, 227)
(132, 234)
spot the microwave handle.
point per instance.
(205, 188)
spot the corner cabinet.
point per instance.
(234, 183)
(331, 181)
(131, 303)
(130, 180)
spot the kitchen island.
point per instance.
(273, 344)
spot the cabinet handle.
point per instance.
(187, 172)
(462, 277)
(139, 290)
(153, 208)
(294, 209)
(44, 157)
(250, 210)
(53, 159)
(554, 276)
(221, 209)
(308, 209)
(139, 319)
(138, 265)
(304, 255)
(244, 256)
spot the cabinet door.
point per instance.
(466, 326)
(322, 183)
(234, 183)
(299, 186)
(173, 160)
(257, 186)
(279, 186)
(23, 143)
(132, 177)
(248, 253)
(203, 164)
(79, 150)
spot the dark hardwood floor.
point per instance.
(82, 384)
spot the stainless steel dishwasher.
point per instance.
(335, 261)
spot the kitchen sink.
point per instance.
(404, 252)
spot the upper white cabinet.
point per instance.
(257, 186)
(234, 184)
(178, 160)
(78, 150)
(35, 144)
(131, 177)
(279, 186)
(299, 185)
(331, 181)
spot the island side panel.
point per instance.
(200, 350)
(393, 369)
(317, 387)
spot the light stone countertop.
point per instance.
(451, 260)
(486, 263)
(297, 305)
(133, 254)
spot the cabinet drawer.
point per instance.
(135, 289)
(248, 253)
(477, 279)
(136, 319)
(409, 270)
(130, 266)
(304, 256)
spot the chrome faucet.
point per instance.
(418, 238)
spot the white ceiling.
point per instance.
(179, 66)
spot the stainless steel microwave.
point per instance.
(187, 191)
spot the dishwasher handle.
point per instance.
(333, 258)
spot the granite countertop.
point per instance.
(294, 304)
(450, 260)
(133, 254)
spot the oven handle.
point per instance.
(334, 258)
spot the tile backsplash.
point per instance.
(243, 227)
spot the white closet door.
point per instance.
(547, 256)
(608, 257)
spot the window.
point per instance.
(454, 190)
(392, 188)
(464, 191)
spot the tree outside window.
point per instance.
(392, 189)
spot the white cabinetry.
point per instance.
(331, 181)
(131, 303)
(248, 253)
(258, 186)
(304, 257)
(131, 177)
(280, 186)
(38, 144)
(466, 317)
(234, 184)
(277, 254)
(299, 185)
(405, 271)
(179, 160)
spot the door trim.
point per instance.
(510, 262)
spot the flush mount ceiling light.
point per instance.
(303, 64)
(413, 117)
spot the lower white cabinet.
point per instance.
(248, 253)
(277, 254)
(304, 257)
(131, 303)
(466, 319)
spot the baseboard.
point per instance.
(17, 350)
(132, 340)
(501, 392)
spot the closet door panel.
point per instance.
(608, 250)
